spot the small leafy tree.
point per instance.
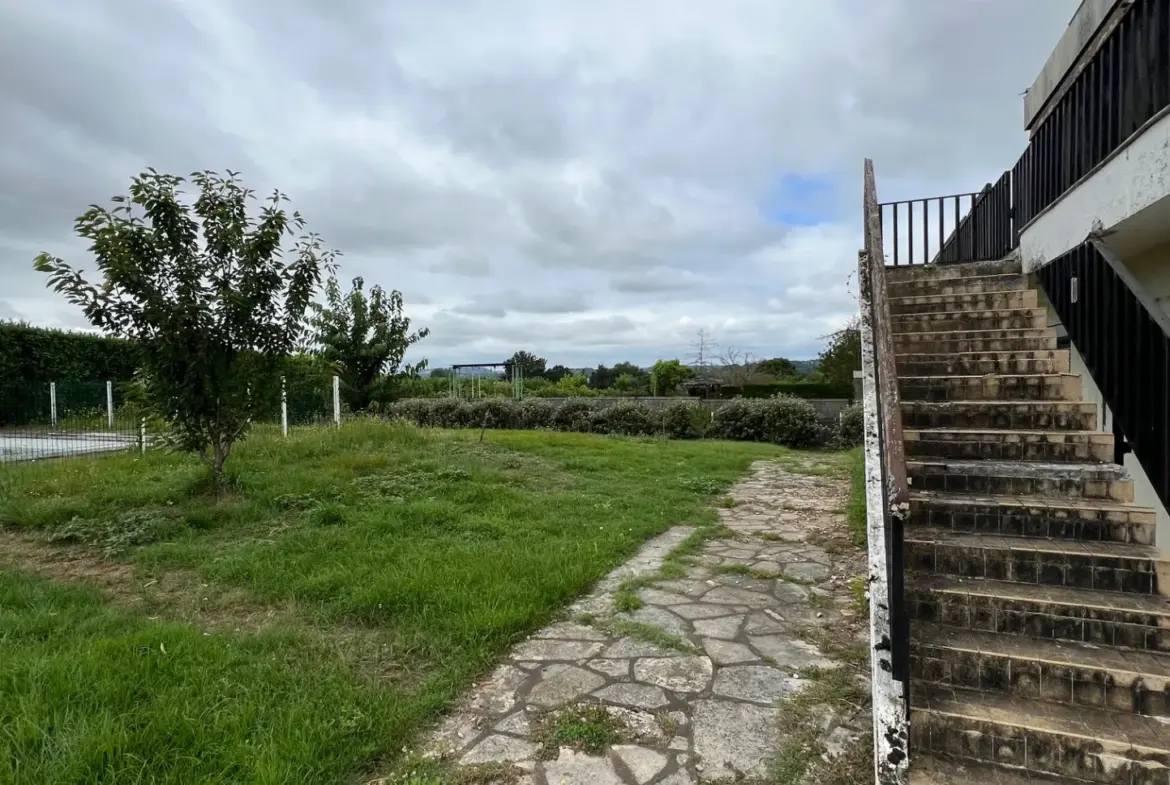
(841, 355)
(556, 373)
(205, 291)
(532, 365)
(778, 368)
(667, 375)
(365, 337)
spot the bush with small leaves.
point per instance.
(416, 412)
(782, 420)
(626, 418)
(492, 413)
(851, 426)
(685, 420)
(446, 413)
(534, 413)
(573, 415)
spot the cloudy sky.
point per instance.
(592, 181)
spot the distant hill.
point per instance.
(805, 366)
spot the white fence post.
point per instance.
(53, 403)
(142, 435)
(337, 400)
(283, 409)
(110, 404)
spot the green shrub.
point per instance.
(626, 418)
(573, 415)
(781, 420)
(798, 389)
(851, 426)
(685, 420)
(491, 413)
(534, 413)
(447, 413)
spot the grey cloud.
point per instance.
(470, 265)
(604, 156)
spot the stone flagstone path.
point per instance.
(705, 714)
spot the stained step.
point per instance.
(1024, 415)
(1009, 445)
(958, 341)
(1040, 738)
(992, 387)
(975, 301)
(1134, 621)
(1064, 672)
(981, 284)
(948, 321)
(978, 363)
(926, 770)
(1065, 480)
(942, 272)
(1099, 566)
(1035, 516)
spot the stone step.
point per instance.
(979, 363)
(952, 321)
(1035, 516)
(928, 770)
(972, 301)
(952, 342)
(1025, 415)
(941, 272)
(1099, 566)
(1065, 672)
(1009, 444)
(1104, 618)
(981, 284)
(1003, 478)
(1038, 738)
(992, 387)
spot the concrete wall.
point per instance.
(1077, 36)
(1126, 195)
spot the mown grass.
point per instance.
(855, 511)
(451, 549)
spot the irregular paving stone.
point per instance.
(499, 749)
(731, 596)
(733, 738)
(546, 649)
(789, 652)
(807, 570)
(677, 778)
(561, 684)
(455, 732)
(577, 768)
(629, 647)
(726, 627)
(726, 652)
(516, 722)
(618, 669)
(701, 610)
(679, 674)
(568, 630)
(641, 696)
(498, 694)
(661, 618)
(756, 683)
(690, 588)
(791, 595)
(766, 623)
(654, 596)
(644, 764)
(767, 566)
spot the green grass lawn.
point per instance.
(388, 566)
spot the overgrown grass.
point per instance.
(856, 511)
(449, 548)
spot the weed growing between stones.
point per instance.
(649, 633)
(587, 728)
(763, 575)
(801, 719)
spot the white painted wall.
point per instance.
(1137, 178)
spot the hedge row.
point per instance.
(810, 390)
(780, 420)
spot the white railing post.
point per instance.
(283, 409)
(337, 400)
(53, 403)
(110, 405)
(142, 435)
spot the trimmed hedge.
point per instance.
(780, 420)
(797, 389)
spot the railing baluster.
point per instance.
(910, 231)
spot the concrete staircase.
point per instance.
(1040, 615)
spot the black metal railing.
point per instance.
(1122, 87)
(1123, 337)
